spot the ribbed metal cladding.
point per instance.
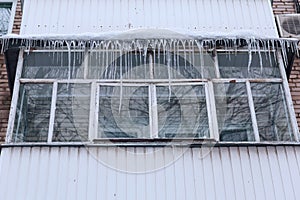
(150, 173)
(201, 16)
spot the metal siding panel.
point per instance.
(92, 175)
(5, 163)
(266, 173)
(227, 173)
(286, 176)
(204, 16)
(218, 173)
(259, 189)
(179, 176)
(53, 173)
(63, 164)
(13, 179)
(159, 173)
(189, 174)
(82, 174)
(247, 173)
(237, 173)
(170, 175)
(42, 173)
(208, 173)
(199, 174)
(276, 173)
(100, 173)
(293, 168)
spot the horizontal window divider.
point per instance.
(119, 81)
(233, 80)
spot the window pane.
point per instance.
(182, 111)
(235, 65)
(271, 112)
(72, 113)
(233, 112)
(136, 65)
(33, 113)
(5, 11)
(124, 112)
(53, 65)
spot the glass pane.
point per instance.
(53, 65)
(235, 65)
(271, 112)
(5, 11)
(137, 65)
(124, 112)
(33, 113)
(182, 111)
(233, 112)
(72, 113)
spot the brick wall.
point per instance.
(4, 89)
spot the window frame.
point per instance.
(12, 14)
(209, 91)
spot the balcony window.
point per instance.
(104, 94)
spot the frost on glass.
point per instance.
(271, 112)
(124, 112)
(5, 12)
(248, 65)
(233, 112)
(53, 65)
(72, 113)
(33, 113)
(153, 64)
(182, 111)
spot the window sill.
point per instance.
(193, 143)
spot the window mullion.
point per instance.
(211, 111)
(95, 114)
(252, 112)
(14, 102)
(52, 112)
(92, 115)
(153, 115)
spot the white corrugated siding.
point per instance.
(163, 173)
(94, 16)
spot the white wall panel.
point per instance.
(96, 16)
(161, 173)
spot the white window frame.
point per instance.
(209, 92)
(12, 14)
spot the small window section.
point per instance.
(101, 94)
(5, 14)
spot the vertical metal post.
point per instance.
(52, 112)
(14, 102)
(252, 111)
(288, 98)
(212, 111)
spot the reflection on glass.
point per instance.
(235, 65)
(72, 113)
(271, 112)
(157, 65)
(124, 112)
(5, 11)
(182, 112)
(33, 113)
(233, 112)
(56, 65)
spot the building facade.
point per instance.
(149, 100)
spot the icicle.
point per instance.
(169, 72)
(69, 60)
(249, 54)
(259, 55)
